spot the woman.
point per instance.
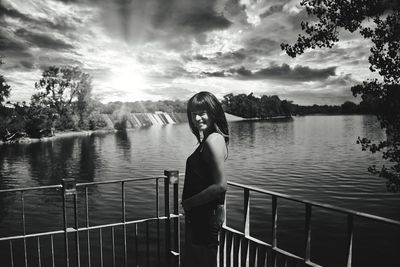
(205, 185)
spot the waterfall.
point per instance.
(169, 119)
(137, 120)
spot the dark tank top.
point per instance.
(198, 178)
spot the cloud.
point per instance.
(8, 43)
(271, 10)
(59, 23)
(262, 44)
(202, 22)
(285, 72)
(214, 74)
(43, 40)
(236, 11)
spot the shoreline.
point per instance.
(29, 140)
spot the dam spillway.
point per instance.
(137, 120)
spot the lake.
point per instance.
(312, 157)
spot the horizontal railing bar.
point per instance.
(121, 180)
(55, 186)
(31, 235)
(288, 254)
(72, 230)
(320, 205)
(30, 188)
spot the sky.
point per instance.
(171, 49)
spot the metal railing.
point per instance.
(69, 191)
(239, 248)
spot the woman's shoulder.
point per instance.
(215, 138)
(215, 145)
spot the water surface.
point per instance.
(313, 157)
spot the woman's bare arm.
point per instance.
(214, 153)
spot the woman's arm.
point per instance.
(214, 154)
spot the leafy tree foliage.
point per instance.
(379, 22)
(249, 106)
(66, 90)
(5, 89)
(5, 113)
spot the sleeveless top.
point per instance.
(198, 178)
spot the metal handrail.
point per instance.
(232, 239)
(69, 189)
(318, 204)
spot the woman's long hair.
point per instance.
(208, 102)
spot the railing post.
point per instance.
(350, 231)
(173, 179)
(68, 188)
(307, 245)
(274, 229)
(246, 204)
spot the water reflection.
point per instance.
(124, 144)
(49, 162)
(88, 159)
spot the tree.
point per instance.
(5, 89)
(67, 91)
(379, 22)
(349, 107)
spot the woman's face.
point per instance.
(201, 120)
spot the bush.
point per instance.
(96, 121)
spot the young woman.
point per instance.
(205, 185)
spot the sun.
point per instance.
(128, 79)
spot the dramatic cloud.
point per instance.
(42, 40)
(284, 72)
(167, 49)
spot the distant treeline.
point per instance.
(250, 106)
(246, 106)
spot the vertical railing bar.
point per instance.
(52, 250)
(177, 246)
(123, 221)
(167, 223)
(157, 200)
(246, 206)
(101, 247)
(24, 227)
(244, 244)
(147, 245)
(274, 228)
(221, 248)
(172, 177)
(307, 247)
(158, 223)
(77, 247)
(38, 250)
(136, 245)
(350, 226)
(87, 224)
(11, 254)
(65, 227)
(113, 245)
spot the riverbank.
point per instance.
(57, 135)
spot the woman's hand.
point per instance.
(185, 206)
